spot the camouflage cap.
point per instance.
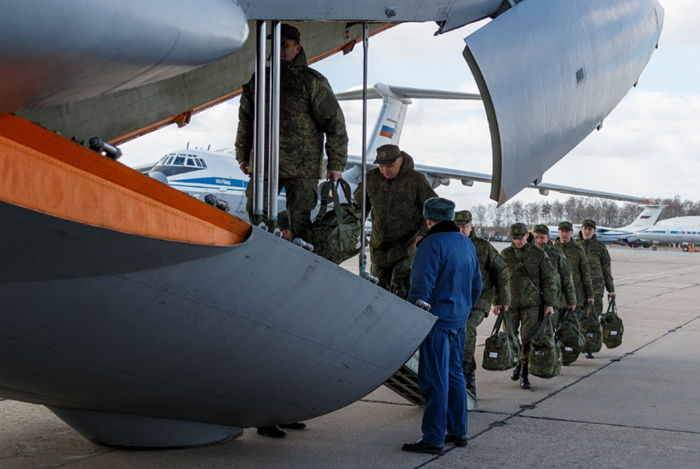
(463, 217)
(541, 229)
(387, 154)
(438, 209)
(290, 32)
(588, 223)
(518, 230)
(283, 220)
(566, 226)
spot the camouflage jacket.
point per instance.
(599, 262)
(580, 271)
(566, 291)
(397, 212)
(530, 273)
(308, 110)
(494, 273)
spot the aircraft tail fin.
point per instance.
(393, 113)
(647, 218)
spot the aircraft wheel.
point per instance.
(684, 249)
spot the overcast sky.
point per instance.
(649, 145)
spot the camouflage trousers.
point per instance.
(395, 277)
(301, 200)
(468, 362)
(598, 303)
(526, 321)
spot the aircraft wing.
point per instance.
(441, 176)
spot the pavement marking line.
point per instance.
(606, 424)
(377, 401)
(581, 378)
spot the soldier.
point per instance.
(532, 286)
(566, 291)
(599, 262)
(580, 271)
(494, 275)
(395, 195)
(445, 275)
(308, 111)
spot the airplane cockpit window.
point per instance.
(190, 162)
(179, 161)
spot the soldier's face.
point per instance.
(587, 232)
(289, 50)
(390, 171)
(519, 242)
(541, 239)
(466, 230)
(565, 235)
(286, 234)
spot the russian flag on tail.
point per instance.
(644, 217)
(386, 131)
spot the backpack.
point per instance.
(544, 358)
(592, 331)
(502, 348)
(570, 337)
(335, 233)
(612, 326)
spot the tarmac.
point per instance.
(635, 406)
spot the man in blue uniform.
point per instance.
(446, 275)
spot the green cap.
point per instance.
(463, 217)
(566, 226)
(541, 229)
(588, 223)
(387, 154)
(518, 230)
(289, 32)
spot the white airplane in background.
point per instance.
(200, 173)
(625, 234)
(672, 230)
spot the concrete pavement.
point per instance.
(634, 406)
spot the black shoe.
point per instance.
(516, 372)
(589, 355)
(272, 431)
(524, 382)
(420, 447)
(293, 426)
(457, 440)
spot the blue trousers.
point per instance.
(441, 381)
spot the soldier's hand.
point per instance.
(415, 243)
(612, 294)
(333, 175)
(496, 309)
(548, 310)
(244, 165)
(590, 300)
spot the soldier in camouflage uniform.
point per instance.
(599, 262)
(532, 285)
(496, 291)
(308, 111)
(395, 195)
(566, 291)
(580, 270)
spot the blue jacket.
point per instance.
(446, 274)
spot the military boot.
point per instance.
(524, 382)
(470, 379)
(516, 372)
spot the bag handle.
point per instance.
(329, 193)
(612, 306)
(499, 321)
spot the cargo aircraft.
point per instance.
(680, 230)
(143, 317)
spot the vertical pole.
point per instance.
(259, 133)
(274, 151)
(363, 237)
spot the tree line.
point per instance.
(575, 210)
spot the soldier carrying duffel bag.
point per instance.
(570, 337)
(502, 347)
(592, 332)
(612, 326)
